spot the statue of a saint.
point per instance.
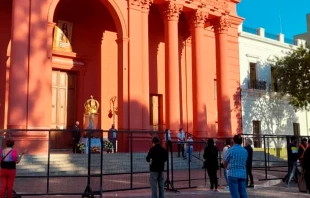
(91, 105)
(91, 124)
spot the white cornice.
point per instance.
(266, 40)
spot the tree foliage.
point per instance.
(293, 75)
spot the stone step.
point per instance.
(77, 164)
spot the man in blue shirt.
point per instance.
(235, 161)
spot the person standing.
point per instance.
(76, 136)
(225, 149)
(181, 139)
(112, 135)
(301, 150)
(168, 140)
(189, 147)
(211, 156)
(306, 166)
(249, 149)
(9, 158)
(157, 156)
(292, 157)
(235, 161)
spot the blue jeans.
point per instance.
(189, 150)
(237, 187)
(157, 178)
(226, 176)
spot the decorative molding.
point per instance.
(171, 11)
(215, 3)
(198, 18)
(222, 24)
(135, 4)
(145, 5)
(188, 41)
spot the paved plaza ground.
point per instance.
(263, 189)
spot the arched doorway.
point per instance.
(85, 61)
(5, 37)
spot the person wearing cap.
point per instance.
(157, 156)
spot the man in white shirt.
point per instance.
(181, 139)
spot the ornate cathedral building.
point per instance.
(150, 64)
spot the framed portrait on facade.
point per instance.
(63, 36)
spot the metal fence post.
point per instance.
(265, 157)
(131, 160)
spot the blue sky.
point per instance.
(274, 15)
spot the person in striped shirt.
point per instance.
(235, 161)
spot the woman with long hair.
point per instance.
(9, 158)
(211, 163)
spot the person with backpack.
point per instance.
(292, 158)
(9, 157)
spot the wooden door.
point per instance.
(155, 112)
(63, 108)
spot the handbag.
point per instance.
(302, 183)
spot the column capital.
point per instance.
(197, 18)
(170, 11)
(135, 4)
(145, 5)
(188, 41)
(221, 25)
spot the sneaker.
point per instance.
(210, 190)
(226, 188)
(216, 191)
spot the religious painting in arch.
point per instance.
(63, 36)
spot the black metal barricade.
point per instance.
(92, 174)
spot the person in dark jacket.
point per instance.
(211, 156)
(292, 157)
(76, 135)
(157, 156)
(248, 147)
(306, 166)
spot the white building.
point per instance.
(263, 111)
(305, 36)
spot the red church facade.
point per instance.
(168, 63)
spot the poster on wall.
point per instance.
(63, 36)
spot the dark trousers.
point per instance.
(212, 176)
(249, 174)
(74, 146)
(169, 146)
(181, 149)
(114, 144)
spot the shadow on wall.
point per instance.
(5, 37)
(274, 115)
